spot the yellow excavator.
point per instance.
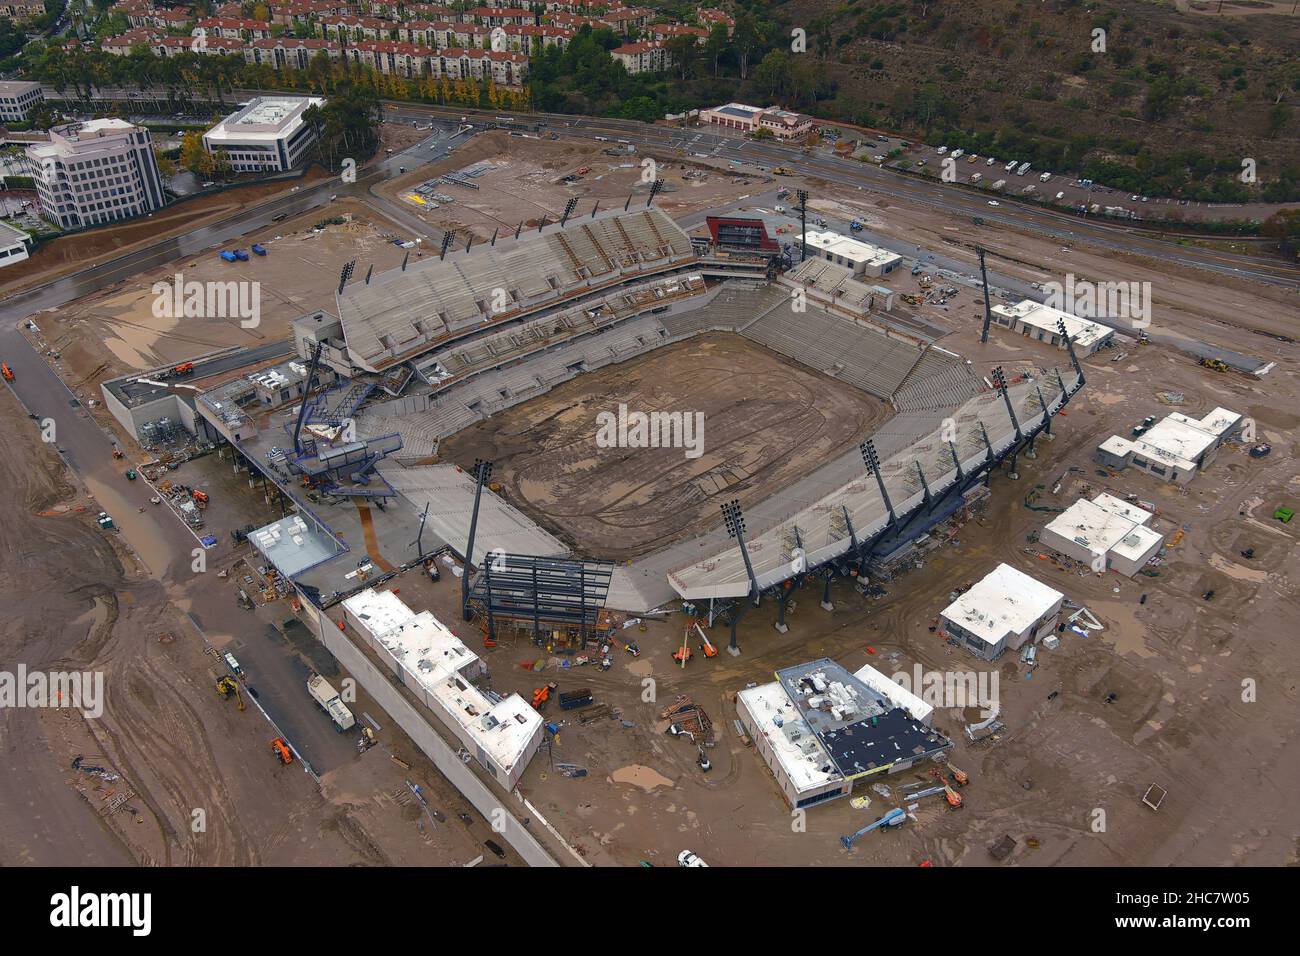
(228, 685)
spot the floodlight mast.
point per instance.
(482, 473)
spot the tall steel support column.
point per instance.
(928, 501)
(869, 458)
(956, 461)
(735, 522)
(482, 472)
(1000, 380)
(827, 576)
(803, 224)
(988, 309)
(1069, 347)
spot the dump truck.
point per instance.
(323, 692)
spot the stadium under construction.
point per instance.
(349, 431)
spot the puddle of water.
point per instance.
(1123, 629)
(140, 530)
(639, 776)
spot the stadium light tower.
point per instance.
(1069, 347)
(868, 449)
(482, 473)
(803, 224)
(655, 188)
(568, 210)
(448, 238)
(988, 309)
(345, 274)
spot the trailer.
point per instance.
(259, 249)
(574, 699)
(241, 255)
(228, 256)
(323, 692)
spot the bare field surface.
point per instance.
(766, 421)
(116, 330)
(525, 185)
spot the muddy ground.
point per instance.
(763, 418)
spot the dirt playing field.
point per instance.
(764, 419)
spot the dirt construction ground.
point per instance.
(763, 419)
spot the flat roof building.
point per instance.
(502, 733)
(268, 135)
(95, 172)
(1175, 448)
(1002, 611)
(862, 257)
(782, 124)
(17, 100)
(1037, 321)
(820, 729)
(13, 245)
(1105, 533)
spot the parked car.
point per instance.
(688, 858)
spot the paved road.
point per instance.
(1063, 227)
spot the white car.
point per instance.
(994, 202)
(942, 150)
(779, 208)
(990, 161)
(687, 858)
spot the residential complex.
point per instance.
(95, 172)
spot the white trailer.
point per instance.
(1024, 168)
(323, 692)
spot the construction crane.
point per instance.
(895, 817)
(228, 685)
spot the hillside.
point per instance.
(1172, 103)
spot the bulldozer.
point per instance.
(226, 686)
(1214, 364)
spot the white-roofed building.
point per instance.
(268, 135)
(820, 729)
(502, 733)
(1002, 611)
(1037, 321)
(1105, 533)
(862, 257)
(14, 245)
(1175, 448)
(895, 693)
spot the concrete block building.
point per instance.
(1175, 448)
(1002, 611)
(1105, 533)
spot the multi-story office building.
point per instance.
(95, 172)
(268, 135)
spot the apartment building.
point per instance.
(96, 172)
(646, 56)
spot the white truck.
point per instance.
(1024, 168)
(1045, 177)
(999, 184)
(323, 692)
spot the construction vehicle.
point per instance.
(131, 474)
(185, 368)
(782, 171)
(541, 695)
(324, 694)
(682, 654)
(895, 817)
(366, 740)
(6, 371)
(958, 775)
(200, 498)
(952, 796)
(707, 646)
(1214, 364)
(228, 685)
(117, 452)
(282, 751)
